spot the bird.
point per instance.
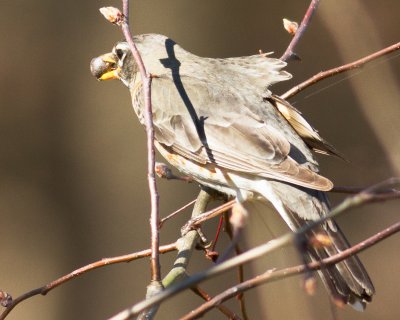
(217, 121)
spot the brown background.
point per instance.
(72, 164)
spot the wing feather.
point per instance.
(235, 138)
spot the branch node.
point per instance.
(5, 299)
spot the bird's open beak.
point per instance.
(105, 67)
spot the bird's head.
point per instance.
(118, 64)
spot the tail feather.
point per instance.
(347, 281)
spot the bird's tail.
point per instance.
(347, 281)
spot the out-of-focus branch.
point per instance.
(355, 190)
(331, 72)
(78, 272)
(300, 31)
(274, 275)
(349, 203)
(240, 271)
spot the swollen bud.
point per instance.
(290, 26)
(113, 15)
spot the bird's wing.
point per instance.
(211, 124)
(310, 136)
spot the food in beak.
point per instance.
(104, 68)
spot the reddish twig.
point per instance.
(331, 72)
(117, 17)
(271, 275)
(78, 272)
(300, 31)
(146, 80)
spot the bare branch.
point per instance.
(289, 53)
(267, 248)
(154, 215)
(78, 272)
(272, 275)
(331, 72)
(115, 16)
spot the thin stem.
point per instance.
(331, 72)
(154, 215)
(205, 296)
(196, 221)
(300, 31)
(171, 215)
(271, 275)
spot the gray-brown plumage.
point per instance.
(216, 120)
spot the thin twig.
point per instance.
(204, 295)
(355, 190)
(154, 215)
(273, 275)
(267, 248)
(78, 272)
(176, 212)
(300, 31)
(331, 72)
(196, 221)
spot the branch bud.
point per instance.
(5, 299)
(112, 14)
(290, 26)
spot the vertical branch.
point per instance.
(146, 80)
(125, 10)
(299, 33)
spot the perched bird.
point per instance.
(216, 121)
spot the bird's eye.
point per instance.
(119, 53)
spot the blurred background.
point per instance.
(73, 185)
